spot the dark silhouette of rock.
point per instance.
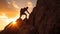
(13, 28)
(21, 27)
(45, 17)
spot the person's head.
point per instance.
(25, 8)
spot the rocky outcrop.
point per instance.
(45, 17)
(21, 27)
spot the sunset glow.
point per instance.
(5, 20)
(10, 11)
(13, 22)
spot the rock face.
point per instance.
(44, 19)
(21, 27)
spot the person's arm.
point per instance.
(28, 12)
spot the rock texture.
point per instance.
(21, 27)
(45, 17)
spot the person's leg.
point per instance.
(20, 15)
(25, 15)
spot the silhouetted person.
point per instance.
(22, 12)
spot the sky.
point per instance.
(10, 10)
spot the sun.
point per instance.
(14, 22)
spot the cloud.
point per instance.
(9, 3)
(30, 4)
(15, 5)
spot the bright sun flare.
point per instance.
(13, 22)
(4, 20)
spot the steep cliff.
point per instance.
(45, 17)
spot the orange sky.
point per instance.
(9, 10)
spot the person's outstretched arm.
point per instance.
(28, 12)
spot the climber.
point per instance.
(22, 11)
